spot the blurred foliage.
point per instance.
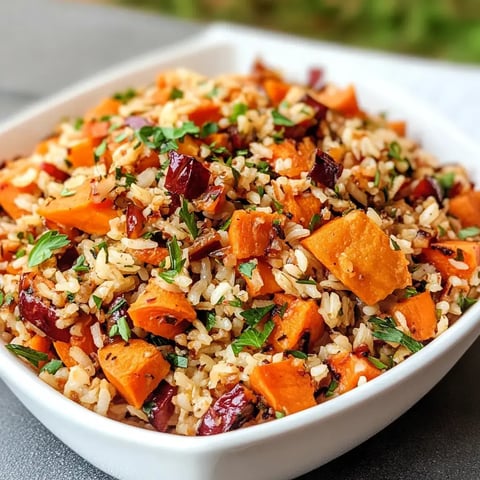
(448, 29)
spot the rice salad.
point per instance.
(204, 254)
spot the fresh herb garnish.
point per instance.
(261, 190)
(52, 367)
(177, 360)
(2, 298)
(189, 219)
(394, 151)
(252, 337)
(279, 414)
(176, 261)
(79, 265)
(410, 292)
(125, 96)
(395, 245)
(44, 247)
(279, 119)
(78, 123)
(376, 181)
(331, 388)
(121, 328)
(9, 298)
(147, 408)
(67, 193)
(100, 150)
(314, 221)
(208, 128)
(237, 110)
(165, 139)
(385, 329)
(97, 301)
(446, 180)
(306, 281)
(213, 92)
(121, 137)
(297, 354)
(120, 303)
(33, 356)
(176, 93)
(235, 303)
(70, 297)
(247, 268)
(277, 206)
(20, 253)
(465, 302)
(468, 232)
(377, 363)
(210, 321)
(254, 315)
(226, 224)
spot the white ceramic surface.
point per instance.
(295, 444)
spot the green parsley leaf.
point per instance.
(465, 302)
(279, 414)
(376, 181)
(237, 110)
(279, 119)
(20, 253)
(70, 297)
(100, 150)
(377, 363)
(176, 261)
(410, 292)
(210, 322)
(125, 96)
(9, 298)
(2, 298)
(97, 301)
(261, 190)
(226, 224)
(235, 303)
(394, 244)
(67, 193)
(79, 265)
(33, 356)
(118, 305)
(314, 221)
(164, 138)
(68, 163)
(253, 337)
(446, 180)
(297, 354)
(121, 137)
(306, 281)
(208, 128)
(385, 329)
(147, 408)
(247, 268)
(157, 340)
(331, 388)
(177, 360)
(176, 93)
(277, 205)
(254, 315)
(123, 329)
(189, 219)
(44, 247)
(394, 151)
(78, 123)
(468, 232)
(52, 367)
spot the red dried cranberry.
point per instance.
(319, 108)
(186, 176)
(54, 172)
(135, 221)
(67, 260)
(428, 187)
(315, 77)
(326, 170)
(163, 407)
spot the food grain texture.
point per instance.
(205, 254)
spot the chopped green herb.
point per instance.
(44, 247)
(465, 302)
(446, 180)
(189, 219)
(212, 93)
(410, 292)
(158, 341)
(297, 354)
(277, 205)
(314, 221)
(70, 297)
(264, 167)
(80, 265)
(441, 231)
(306, 281)
(125, 96)
(9, 298)
(176, 93)
(52, 367)
(147, 408)
(261, 190)
(279, 119)
(121, 328)
(237, 110)
(241, 153)
(235, 303)
(331, 388)
(376, 182)
(121, 137)
(177, 360)
(254, 315)
(100, 150)
(210, 322)
(385, 329)
(20, 253)
(208, 128)
(279, 414)
(78, 123)
(97, 301)
(247, 268)
(164, 138)
(394, 151)
(395, 245)
(377, 363)
(118, 305)
(67, 193)
(226, 224)
(33, 356)
(68, 163)
(468, 232)
(252, 337)
(176, 261)
(2, 298)
(114, 126)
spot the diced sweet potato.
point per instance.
(135, 369)
(269, 285)
(358, 253)
(290, 159)
(161, 312)
(348, 368)
(398, 126)
(40, 343)
(8, 194)
(419, 312)
(206, 112)
(453, 257)
(341, 100)
(81, 154)
(108, 106)
(285, 386)
(301, 208)
(80, 211)
(275, 90)
(251, 233)
(299, 323)
(189, 146)
(466, 208)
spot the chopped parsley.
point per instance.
(208, 128)
(97, 301)
(226, 224)
(279, 119)
(314, 221)
(29, 354)
(100, 150)
(446, 180)
(331, 388)
(410, 292)
(79, 265)
(70, 297)
(237, 110)
(254, 315)
(20, 253)
(297, 354)
(121, 328)
(118, 305)
(2, 298)
(247, 268)
(67, 193)
(252, 337)
(52, 367)
(189, 219)
(177, 360)
(385, 329)
(165, 139)
(377, 363)
(395, 151)
(376, 181)
(125, 96)
(176, 261)
(279, 414)
(78, 123)
(306, 281)
(468, 232)
(395, 245)
(210, 321)
(45, 246)
(465, 302)
(176, 93)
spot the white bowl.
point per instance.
(290, 446)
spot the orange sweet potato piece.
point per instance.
(80, 211)
(466, 208)
(250, 233)
(205, 112)
(63, 352)
(301, 156)
(108, 106)
(341, 100)
(453, 257)
(398, 126)
(285, 386)
(147, 161)
(43, 147)
(153, 256)
(218, 139)
(135, 369)
(8, 194)
(337, 153)
(40, 343)
(212, 200)
(358, 253)
(161, 312)
(269, 283)
(419, 312)
(188, 146)
(276, 90)
(82, 154)
(300, 321)
(301, 207)
(348, 368)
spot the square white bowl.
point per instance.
(295, 444)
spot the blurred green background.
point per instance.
(446, 29)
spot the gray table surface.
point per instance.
(46, 45)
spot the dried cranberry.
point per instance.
(326, 170)
(137, 122)
(319, 108)
(186, 176)
(300, 130)
(204, 245)
(54, 172)
(135, 221)
(163, 407)
(315, 77)
(67, 260)
(230, 411)
(428, 187)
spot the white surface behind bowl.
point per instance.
(295, 444)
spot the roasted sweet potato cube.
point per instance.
(466, 208)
